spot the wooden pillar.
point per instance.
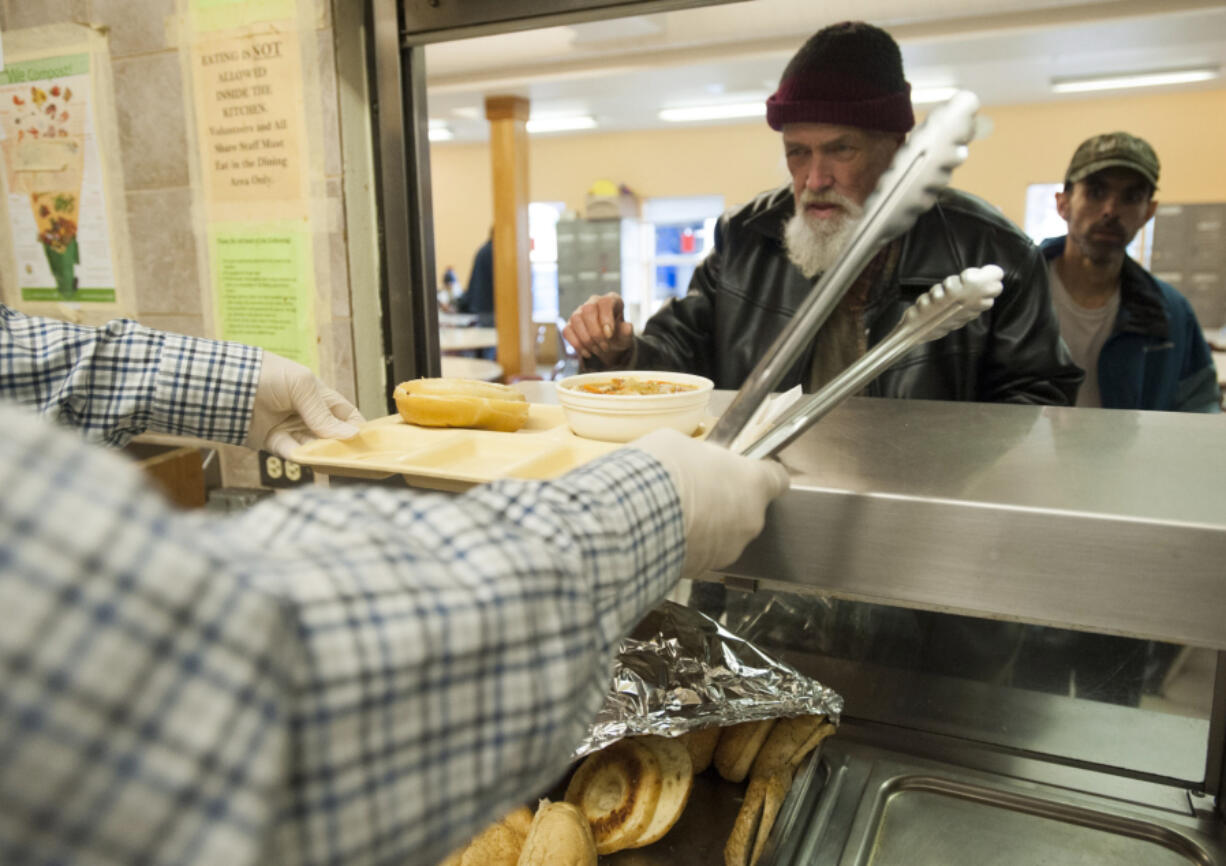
(508, 117)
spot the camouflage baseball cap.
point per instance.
(1113, 150)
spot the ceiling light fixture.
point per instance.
(929, 95)
(725, 111)
(1135, 79)
(563, 123)
(438, 130)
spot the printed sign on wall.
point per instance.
(54, 178)
(248, 86)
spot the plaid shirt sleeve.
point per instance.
(358, 676)
(118, 380)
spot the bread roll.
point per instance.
(777, 785)
(701, 744)
(754, 821)
(738, 746)
(739, 847)
(789, 741)
(616, 790)
(676, 782)
(500, 843)
(519, 820)
(558, 836)
(461, 403)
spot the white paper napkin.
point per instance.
(770, 410)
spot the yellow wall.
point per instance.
(1029, 144)
(734, 161)
(1033, 144)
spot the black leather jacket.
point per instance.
(743, 294)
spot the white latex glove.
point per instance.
(292, 408)
(723, 496)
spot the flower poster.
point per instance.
(53, 180)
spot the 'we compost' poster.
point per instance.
(54, 181)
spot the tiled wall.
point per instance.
(169, 288)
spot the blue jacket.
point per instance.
(1156, 356)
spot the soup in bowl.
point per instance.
(621, 405)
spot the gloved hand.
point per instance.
(723, 496)
(292, 408)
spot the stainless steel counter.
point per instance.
(1087, 519)
(1098, 520)
(874, 806)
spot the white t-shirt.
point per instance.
(1084, 331)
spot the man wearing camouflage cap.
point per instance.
(1134, 335)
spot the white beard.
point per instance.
(815, 245)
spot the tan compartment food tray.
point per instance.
(449, 458)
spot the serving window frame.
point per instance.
(398, 32)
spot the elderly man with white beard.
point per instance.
(843, 108)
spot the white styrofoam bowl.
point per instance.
(621, 418)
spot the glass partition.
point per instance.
(1119, 702)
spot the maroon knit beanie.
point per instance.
(849, 74)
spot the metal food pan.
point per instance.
(930, 819)
(881, 809)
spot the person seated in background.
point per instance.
(1136, 337)
(447, 291)
(843, 108)
(478, 298)
(342, 676)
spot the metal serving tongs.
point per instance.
(944, 308)
(920, 169)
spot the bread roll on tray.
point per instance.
(738, 747)
(559, 836)
(630, 794)
(676, 782)
(500, 843)
(790, 740)
(617, 790)
(701, 744)
(754, 821)
(461, 403)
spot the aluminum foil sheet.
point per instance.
(681, 670)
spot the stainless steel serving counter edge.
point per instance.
(1091, 519)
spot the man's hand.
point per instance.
(597, 328)
(292, 408)
(723, 496)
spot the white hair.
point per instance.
(815, 244)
